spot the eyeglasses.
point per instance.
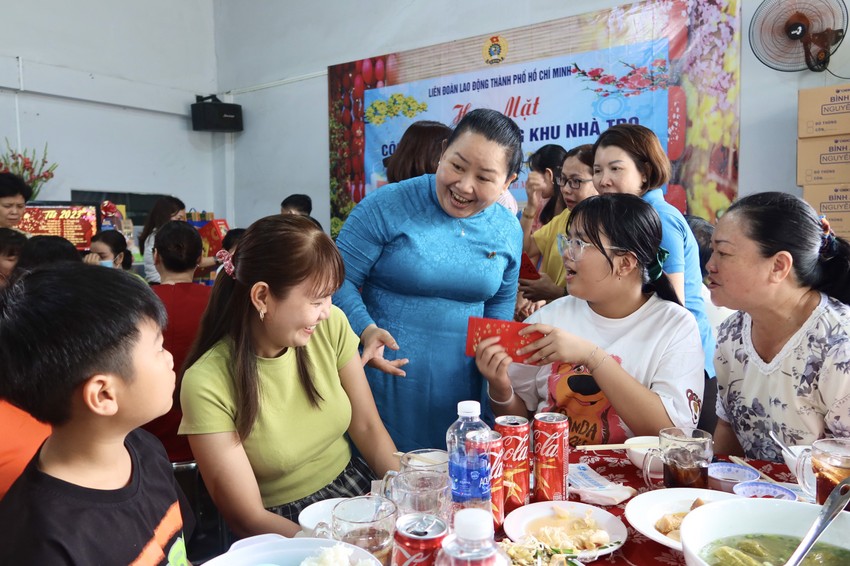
(574, 248)
(574, 182)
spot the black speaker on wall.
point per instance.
(209, 114)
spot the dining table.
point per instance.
(639, 550)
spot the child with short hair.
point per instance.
(81, 349)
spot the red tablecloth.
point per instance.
(638, 549)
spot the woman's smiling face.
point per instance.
(472, 173)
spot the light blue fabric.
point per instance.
(677, 238)
(422, 274)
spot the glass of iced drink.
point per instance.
(686, 453)
(829, 458)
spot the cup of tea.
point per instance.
(685, 454)
(422, 459)
(367, 521)
(829, 458)
(420, 491)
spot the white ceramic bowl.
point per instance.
(792, 462)
(636, 455)
(741, 516)
(319, 512)
(723, 476)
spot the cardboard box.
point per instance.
(833, 201)
(212, 234)
(823, 161)
(823, 111)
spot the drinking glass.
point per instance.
(829, 458)
(367, 521)
(422, 459)
(686, 453)
(420, 491)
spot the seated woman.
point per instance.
(109, 249)
(782, 361)
(275, 387)
(621, 356)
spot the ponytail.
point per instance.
(834, 262)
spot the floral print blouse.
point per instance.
(802, 394)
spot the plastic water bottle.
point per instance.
(472, 543)
(469, 461)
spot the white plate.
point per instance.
(273, 550)
(645, 509)
(517, 521)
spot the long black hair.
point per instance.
(630, 223)
(550, 156)
(779, 222)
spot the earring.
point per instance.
(262, 316)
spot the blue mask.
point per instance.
(107, 263)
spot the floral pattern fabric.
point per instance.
(802, 394)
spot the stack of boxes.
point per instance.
(823, 153)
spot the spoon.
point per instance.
(782, 445)
(833, 505)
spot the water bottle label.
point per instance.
(470, 478)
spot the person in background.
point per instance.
(11, 242)
(42, 250)
(297, 204)
(275, 389)
(164, 210)
(619, 356)
(421, 257)
(573, 177)
(109, 249)
(229, 243)
(14, 194)
(782, 359)
(81, 349)
(177, 253)
(703, 231)
(418, 151)
(543, 197)
(628, 158)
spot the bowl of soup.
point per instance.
(737, 530)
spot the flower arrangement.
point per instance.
(34, 170)
(381, 110)
(636, 81)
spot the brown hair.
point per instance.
(418, 151)
(282, 251)
(643, 147)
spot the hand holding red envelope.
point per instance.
(481, 328)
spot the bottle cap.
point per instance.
(469, 409)
(474, 524)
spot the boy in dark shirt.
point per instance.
(81, 349)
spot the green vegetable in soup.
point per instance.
(769, 550)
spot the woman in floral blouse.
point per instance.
(783, 361)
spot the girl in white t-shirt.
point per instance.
(619, 356)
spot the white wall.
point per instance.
(273, 56)
(108, 85)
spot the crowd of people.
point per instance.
(305, 368)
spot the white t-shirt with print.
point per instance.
(803, 394)
(659, 345)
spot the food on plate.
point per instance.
(334, 556)
(759, 550)
(669, 524)
(564, 531)
(531, 552)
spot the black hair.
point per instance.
(11, 242)
(630, 223)
(117, 245)
(550, 156)
(161, 212)
(232, 238)
(703, 230)
(178, 245)
(496, 127)
(12, 185)
(779, 222)
(302, 203)
(41, 250)
(60, 325)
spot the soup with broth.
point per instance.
(760, 550)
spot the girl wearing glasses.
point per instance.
(573, 179)
(620, 356)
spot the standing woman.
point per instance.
(421, 257)
(620, 356)
(164, 209)
(782, 360)
(628, 158)
(14, 194)
(274, 386)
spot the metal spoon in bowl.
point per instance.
(833, 505)
(782, 445)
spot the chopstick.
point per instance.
(423, 459)
(762, 475)
(588, 447)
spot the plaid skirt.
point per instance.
(355, 479)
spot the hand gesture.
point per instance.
(493, 360)
(374, 341)
(556, 346)
(543, 289)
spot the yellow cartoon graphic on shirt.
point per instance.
(574, 392)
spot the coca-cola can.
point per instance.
(418, 538)
(551, 457)
(491, 442)
(516, 476)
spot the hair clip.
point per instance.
(226, 259)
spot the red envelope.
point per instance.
(481, 328)
(527, 269)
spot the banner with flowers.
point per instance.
(671, 65)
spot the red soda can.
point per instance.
(515, 433)
(418, 538)
(551, 457)
(491, 442)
